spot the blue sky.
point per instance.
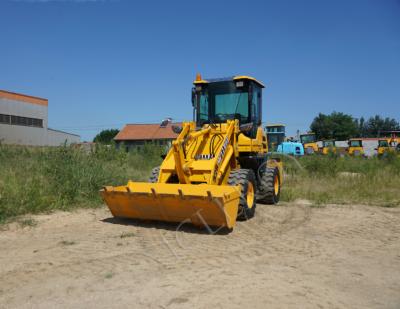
(102, 64)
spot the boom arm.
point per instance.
(205, 156)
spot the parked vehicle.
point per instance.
(291, 148)
(309, 141)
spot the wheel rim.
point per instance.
(276, 185)
(250, 195)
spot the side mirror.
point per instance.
(193, 96)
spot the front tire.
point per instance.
(247, 180)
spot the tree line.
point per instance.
(341, 126)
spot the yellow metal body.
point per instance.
(201, 195)
(192, 184)
(200, 81)
(198, 204)
(383, 146)
(355, 147)
(313, 146)
(388, 145)
(309, 143)
(355, 151)
(328, 147)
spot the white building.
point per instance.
(23, 121)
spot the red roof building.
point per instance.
(133, 135)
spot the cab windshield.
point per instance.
(307, 138)
(383, 143)
(222, 101)
(355, 143)
(329, 143)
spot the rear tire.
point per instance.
(270, 187)
(247, 180)
(154, 174)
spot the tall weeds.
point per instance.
(348, 180)
(36, 180)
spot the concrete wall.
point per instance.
(28, 135)
(57, 138)
(21, 135)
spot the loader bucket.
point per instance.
(201, 204)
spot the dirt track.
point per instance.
(290, 256)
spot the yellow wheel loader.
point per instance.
(355, 147)
(328, 147)
(389, 144)
(216, 169)
(383, 147)
(309, 141)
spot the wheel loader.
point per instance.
(309, 141)
(216, 169)
(383, 147)
(388, 144)
(328, 147)
(355, 147)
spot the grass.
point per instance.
(127, 234)
(109, 275)
(331, 179)
(28, 222)
(37, 180)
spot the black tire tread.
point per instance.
(266, 188)
(242, 177)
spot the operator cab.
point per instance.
(383, 143)
(328, 143)
(217, 100)
(355, 143)
(308, 138)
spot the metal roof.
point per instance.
(227, 79)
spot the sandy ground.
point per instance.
(288, 256)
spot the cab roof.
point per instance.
(226, 79)
(275, 125)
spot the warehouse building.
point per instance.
(136, 135)
(24, 121)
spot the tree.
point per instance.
(106, 136)
(338, 126)
(361, 127)
(374, 125)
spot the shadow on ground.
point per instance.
(170, 226)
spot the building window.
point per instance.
(5, 119)
(21, 121)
